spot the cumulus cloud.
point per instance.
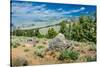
(30, 12)
(73, 11)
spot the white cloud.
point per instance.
(73, 11)
(82, 8)
(60, 9)
(30, 12)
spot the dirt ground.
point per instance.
(32, 59)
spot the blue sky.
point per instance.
(46, 13)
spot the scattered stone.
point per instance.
(44, 42)
(37, 41)
(20, 61)
(31, 42)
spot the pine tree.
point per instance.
(51, 33)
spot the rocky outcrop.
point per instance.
(59, 43)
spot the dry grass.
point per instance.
(87, 53)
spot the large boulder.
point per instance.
(59, 43)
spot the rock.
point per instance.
(19, 61)
(31, 42)
(59, 43)
(60, 37)
(44, 42)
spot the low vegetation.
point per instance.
(79, 44)
(15, 45)
(26, 50)
(69, 54)
(40, 51)
(90, 59)
(51, 33)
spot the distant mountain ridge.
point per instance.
(43, 25)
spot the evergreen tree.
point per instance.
(63, 27)
(51, 33)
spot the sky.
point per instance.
(41, 13)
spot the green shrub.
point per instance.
(64, 55)
(92, 48)
(69, 54)
(84, 30)
(11, 44)
(26, 50)
(40, 47)
(14, 46)
(40, 51)
(28, 33)
(23, 45)
(90, 59)
(88, 28)
(40, 36)
(73, 55)
(17, 44)
(62, 27)
(51, 33)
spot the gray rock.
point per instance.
(59, 43)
